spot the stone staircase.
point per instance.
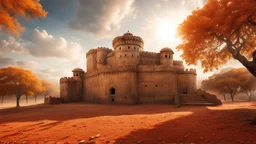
(195, 99)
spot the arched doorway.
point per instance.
(112, 91)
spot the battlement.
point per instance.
(95, 50)
(91, 51)
(188, 71)
(149, 54)
(67, 80)
(178, 62)
(104, 49)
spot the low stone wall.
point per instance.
(52, 100)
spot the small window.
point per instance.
(135, 48)
(146, 85)
(76, 74)
(120, 48)
(128, 47)
(125, 55)
(165, 56)
(156, 85)
(125, 97)
(132, 55)
(120, 56)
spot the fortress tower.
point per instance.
(127, 48)
(166, 56)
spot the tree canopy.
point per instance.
(220, 30)
(231, 82)
(19, 82)
(10, 9)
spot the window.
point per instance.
(146, 85)
(135, 48)
(112, 91)
(76, 74)
(120, 48)
(125, 55)
(165, 56)
(132, 55)
(120, 56)
(128, 47)
(156, 85)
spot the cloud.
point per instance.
(11, 46)
(5, 61)
(41, 44)
(101, 18)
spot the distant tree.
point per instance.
(248, 85)
(19, 82)
(220, 30)
(10, 9)
(49, 88)
(232, 82)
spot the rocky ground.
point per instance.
(136, 124)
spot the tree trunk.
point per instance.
(17, 101)
(224, 96)
(26, 98)
(2, 100)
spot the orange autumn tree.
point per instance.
(220, 30)
(19, 82)
(10, 9)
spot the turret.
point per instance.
(78, 74)
(166, 56)
(127, 48)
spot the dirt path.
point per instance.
(145, 124)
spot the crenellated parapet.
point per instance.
(91, 51)
(108, 50)
(127, 38)
(187, 71)
(178, 62)
(111, 54)
(149, 54)
(98, 49)
(67, 80)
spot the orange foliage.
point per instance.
(9, 9)
(231, 82)
(222, 29)
(19, 82)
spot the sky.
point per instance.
(53, 46)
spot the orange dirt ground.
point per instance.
(133, 124)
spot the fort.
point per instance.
(127, 74)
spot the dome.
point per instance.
(77, 70)
(127, 39)
(128, 34)
(166, 49)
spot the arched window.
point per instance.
(112, 91)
